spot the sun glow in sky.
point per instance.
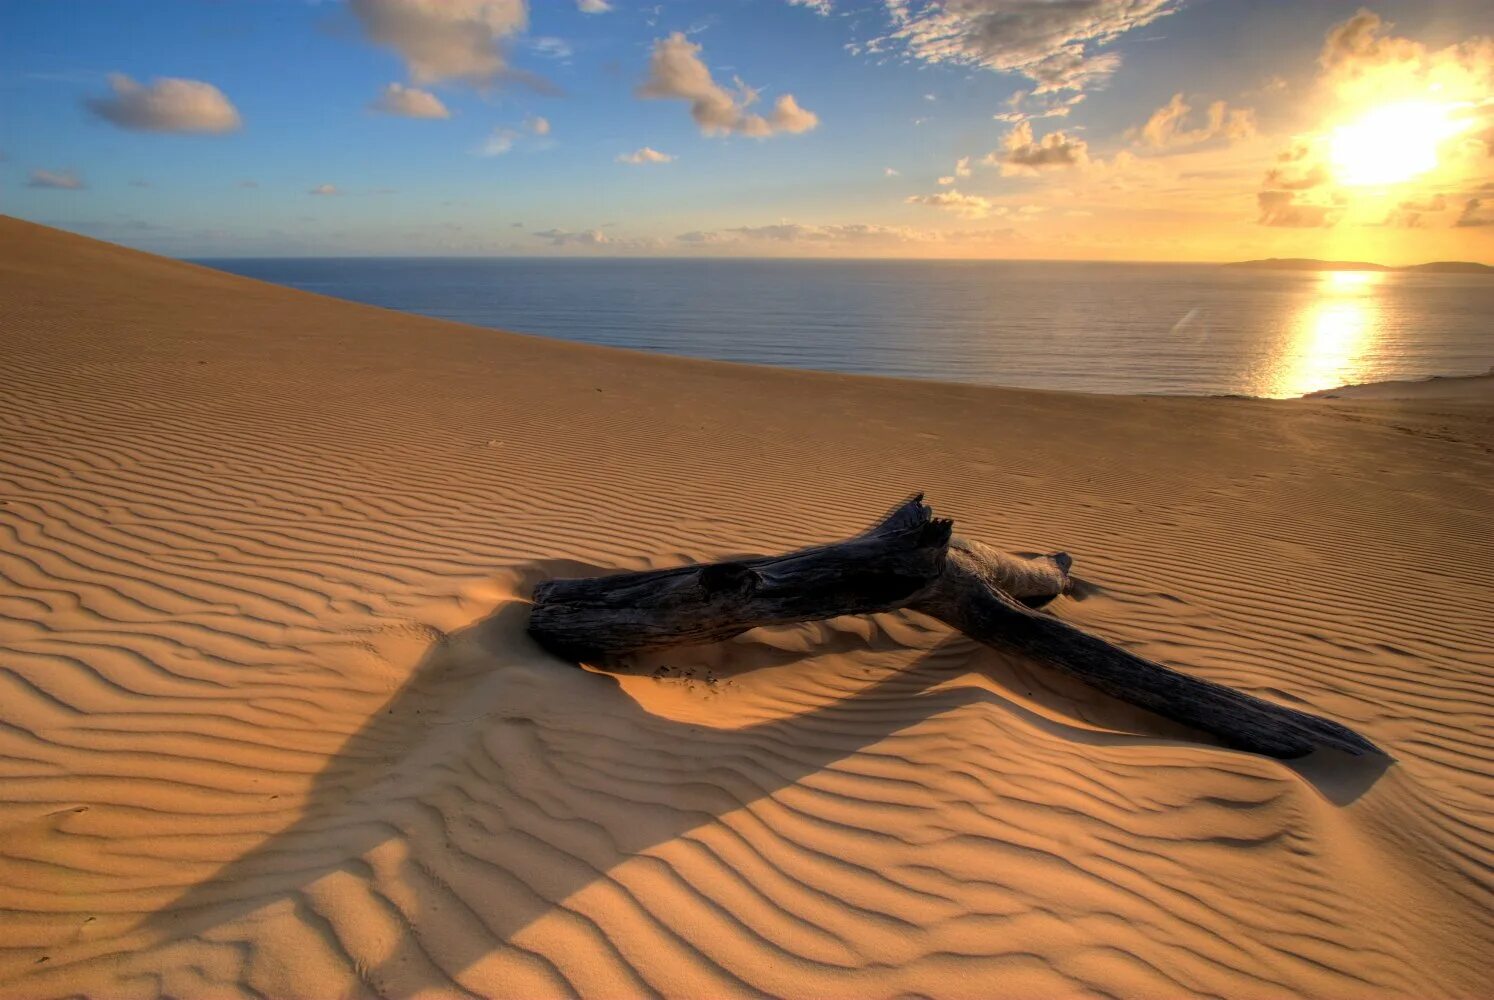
(1107, 129)
(1392, 143)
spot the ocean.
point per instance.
(1198, 329)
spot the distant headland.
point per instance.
(1308, 264)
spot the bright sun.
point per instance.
(1391, 143)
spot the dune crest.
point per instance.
(272, 727)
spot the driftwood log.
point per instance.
(909, 560)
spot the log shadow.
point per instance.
(512, 781)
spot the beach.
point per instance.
(271, 726)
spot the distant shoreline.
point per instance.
(1310, 264)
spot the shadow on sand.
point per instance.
(516, 780)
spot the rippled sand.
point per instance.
(270, 725)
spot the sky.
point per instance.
(1048, 129)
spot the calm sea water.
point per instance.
(1098, 327)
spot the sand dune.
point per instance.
(270, 726)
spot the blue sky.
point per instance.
(887, 97)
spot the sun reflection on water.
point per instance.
(1332, 335)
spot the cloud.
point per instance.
(62, 180)
(561, 237)
(552, 48)
(788, 116)
(645, 155)
(500, 142)
(165, 105)
(593, 6)
(793, 234)
(820, 7)
(1410, 212)
(1047, 106)
(1475, 214)
(969, 206)
(248, 184)
(446, 39)
(697, 236)
(676, 72)
(1050, 43)
(409, 102)
(537, 124)
(891, 172)
(1286, 180)
(326, 190)
(1167, 127)
(1362, 62)
(1280, 208)
(1022, 154)
(962, 167)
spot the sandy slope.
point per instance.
(269, 725)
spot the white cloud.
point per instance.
(820, 7)
(561, 237)
(1167, 128)
(946, 180)
(830, 237)
(64, 180)
(500, 142)
(165, 105)
(552, 48)
(969, 206)
(593, 6)
(446, 39)
(1051, 43)
(409, 102)
(962, 167)
(676, 72)
(793, 232)
(890, 172)
(1022, 154)
(1023, 108)
(644, 155)
(537, 124)
(325, 190)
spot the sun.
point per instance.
(1391, 143)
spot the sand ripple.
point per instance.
(270, 726)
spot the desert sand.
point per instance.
(270, 725)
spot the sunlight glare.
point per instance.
(1333, 336)
(1391, 143)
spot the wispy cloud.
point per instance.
(646, 154)
(499, 142)
(1168, 128)
(969, 206)
(62, 180)
(1051, 43)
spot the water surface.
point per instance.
(1096, 327)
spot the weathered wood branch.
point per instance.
(909, 560)
(602, 618)
(967, 597)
